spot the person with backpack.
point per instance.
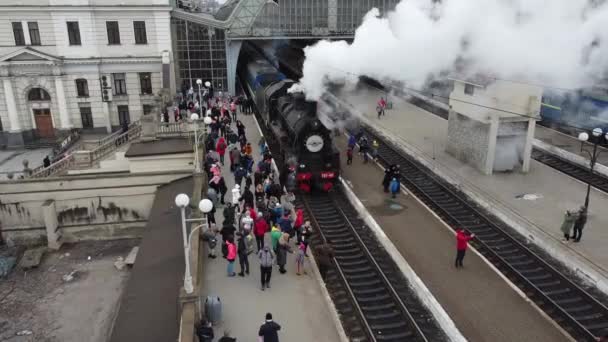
(282, 250)
(363, 148)
(243, 253)
(209, 237)
(395, 187)
(352, 141)
(266, 259)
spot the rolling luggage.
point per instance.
(213, 309)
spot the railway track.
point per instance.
(576, 311)
(596, 180)
(376, 290)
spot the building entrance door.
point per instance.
(44, 123)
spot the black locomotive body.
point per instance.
(303, 141)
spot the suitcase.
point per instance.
(213, 309)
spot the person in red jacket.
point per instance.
(260, 229)
(220, 148)
(462, 242)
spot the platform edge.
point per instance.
(425, 295)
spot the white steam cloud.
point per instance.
(562, 43)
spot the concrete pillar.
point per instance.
(233, 48)
(11, 105)
(53, 233)
(64, 115)
(332, 15)
(492, 136)
(528, 147)
(166, 70)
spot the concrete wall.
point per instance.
(165, 163)
(87, 207)
(468, 140)
(501, 98)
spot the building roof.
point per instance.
(159, 147)
(479, 80)
(224, 12)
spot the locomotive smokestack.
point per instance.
(299, 101)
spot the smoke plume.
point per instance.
(561, 43)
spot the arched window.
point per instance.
(38, 94)
(82, 88)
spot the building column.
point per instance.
(106, 114)
(11, 105)
(528, 147)
(64, 115)
(492, 136)
(233, 48)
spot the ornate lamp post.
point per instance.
(597, 136)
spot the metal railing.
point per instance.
(58, 167)
(106, 146)
(116, 134)
(110, 146)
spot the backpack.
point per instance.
(249, 243)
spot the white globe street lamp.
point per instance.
(205, 206)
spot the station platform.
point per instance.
(297, 303)
(470, 295)
(423, 135)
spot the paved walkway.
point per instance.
(148, 308)
(481, 304)
(11, 161)
(425, 134)
(295, 301)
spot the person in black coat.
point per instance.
(46, 162)
(205, 332)
(387, 179)
(248, 198)
(229, 211)
(269, 331)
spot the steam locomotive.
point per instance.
(292, 124)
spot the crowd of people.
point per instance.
(259, 219)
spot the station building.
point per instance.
(55, 53)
